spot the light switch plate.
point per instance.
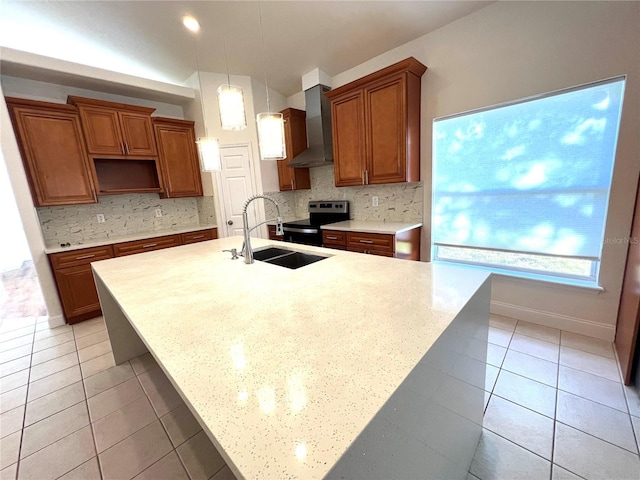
(100, 217)
(158, 212)
(374, 201)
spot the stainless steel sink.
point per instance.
(286, 258)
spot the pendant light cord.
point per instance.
(204, 115)
(264, 57)
(226, 60)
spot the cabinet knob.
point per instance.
(229, 222)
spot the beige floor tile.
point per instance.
(200, 457)
(113, 399)
(495, 355)
(590, 457)
(636, 428)
(10, 472)
(143, 363)
(14, 366)
(498, 459)
(52, 332)
(9, 449)
(531, 367)
(49, 342)
(94, 350)
(520, 425)
(587, 344)
(13, 398)
(54, 382)
(135, 453)
(120, 424)
(54, 402)
(526, 392)
(109, 378)
(590, 363)
(53, 428)
(598, 420)
(14, 353)
(13, 381)
(504, 323)
(10, 324)
(20, 332)
(168, 467)
(16, 342)
(92, 339)
(499, 337)
(53, 352)
(559, 473)
(60, 457)
(180, 424)
(89, 470)
(490, 378)
(225, 473)
(163, 401)
(535, 347)
(97, 365)
(53, 366)
(89, 327)
(11, 421)
(632, 393)
(592, 387)
(541, 332)
(154, 379)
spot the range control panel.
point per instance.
(329, 206)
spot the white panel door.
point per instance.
(237, 187)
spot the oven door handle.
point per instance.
(300, 230)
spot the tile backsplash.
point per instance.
(124, 215)
(398, 202)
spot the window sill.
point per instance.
(529, 278)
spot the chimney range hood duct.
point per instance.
(319, 137)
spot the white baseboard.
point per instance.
(56, 321)
(555, 320)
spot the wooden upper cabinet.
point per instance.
(116, 128)
(376, 126)
(295, 136)
(178, 157)
(53, 152)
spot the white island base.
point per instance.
(353, 367)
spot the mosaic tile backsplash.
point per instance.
(124, 215)
(399, 202)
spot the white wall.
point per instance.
(511, 50)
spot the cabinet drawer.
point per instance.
(147, 245)
(366, 250)
(334, 237)
(80, 257)
(199, 236)
(272, 233)
(371, 241)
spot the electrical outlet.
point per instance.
(374, 201)
(100, 217)
(158, 212)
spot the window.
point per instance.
(524, 187)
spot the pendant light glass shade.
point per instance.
(231, 106)
(209, 150)
(271, 136)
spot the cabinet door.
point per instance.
(178, 160)
(137, 134)
(385, 110)
(78, 293)
(347, 114)
(102, 130)
(54, 155)
(295, 135)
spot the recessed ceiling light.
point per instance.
(191, 23)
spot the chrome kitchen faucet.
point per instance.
(246, 246)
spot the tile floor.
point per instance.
(555, 409)
(20, 294)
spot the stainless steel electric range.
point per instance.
(321, 212)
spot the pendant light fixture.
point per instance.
(208, 147)
(231, 101)
(270, 124)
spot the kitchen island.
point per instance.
(352, 367)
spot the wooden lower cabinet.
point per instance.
(74, 276)
(404, 245)
(272, 233)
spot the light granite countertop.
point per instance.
(284, 368)
(371, 226)
(127, 238)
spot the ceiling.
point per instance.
(147, 38)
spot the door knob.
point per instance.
(229, 222)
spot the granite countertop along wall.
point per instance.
(397, 202)
(125, 216)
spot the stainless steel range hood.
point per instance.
(319, 137)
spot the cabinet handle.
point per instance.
(366, 241)
(292, 185)
(82, 257)
(149, 245)
(331, 238)
(126, 148)
(197, 236)
(366, 176)
(363, 178)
